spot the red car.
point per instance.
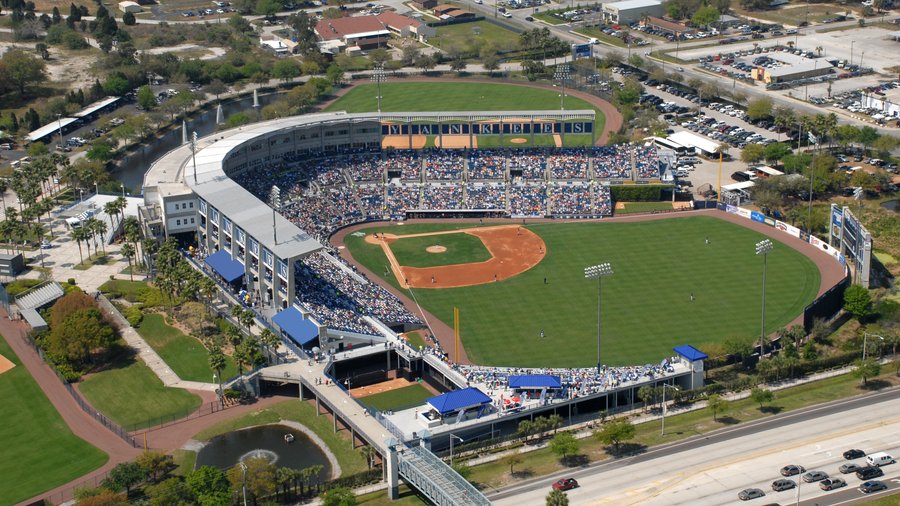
(566, 484)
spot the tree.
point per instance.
(739, 347)
(865, 369)
(858, 302)
(564, 444)
(557, 497)
(425, 62)
(525, 429)
(128, 19)
(217, 363)
(760, 108)
(100, 151)
(22, 69)
(753, 153)
(715, 403)
(512, 460)
(761, 396)
(124, 476)
(285, 70)
(215, 87)
(616, 432)
(154, 464)
(104, 498)
(146, 98)
(369, 453)
(339, 496)
(776, 151)
(647, 394)
(208, 483)
(259, 477)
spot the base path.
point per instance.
(514, 249)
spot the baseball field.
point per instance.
(669, 287)
(431, 96)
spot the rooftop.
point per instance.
(633, 4)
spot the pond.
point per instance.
(892, 205)
(267, 441)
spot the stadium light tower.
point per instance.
(379, 76)
(598, 272)
(562, 75)
(763, 248)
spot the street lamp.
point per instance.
(866, 342)
(662, 431)
(598, 272)
(561, 75)
(244, 484)
(59, 125)
(378, 76)
(194, 153)
(123, 189)
(763, 248)
(452, 437)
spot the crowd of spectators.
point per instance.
(486, 196)
(646, 160)
(529, 199)
(583, 381)
(603, 203)
(402, 197)
(532, 165)
(371, 199)
(365, 167)
(444, 164)
(571, 164)
(488, 164)
(611, 162)
(571, 198)
(406, 162)
(442, 196)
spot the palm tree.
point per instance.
(217, 363)
(112, 210)
(284, 476)
(270, 340)
(100, 228)
(127, 251)
(80, 234)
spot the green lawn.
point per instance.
(471, 36)
(39, 451)
(461, 249)
(458, 96)
(399, 399)
(646, 304)
(132, 291)
(134, 397)
(351, 460)
(184, 354)
(644, 207)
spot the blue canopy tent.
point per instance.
(690, 353)
(534, 381)
(460, 400)
(299, 329)
(225, 266)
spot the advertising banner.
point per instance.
(757, 216)
(731, 209)
(744, 212)
(834, 231)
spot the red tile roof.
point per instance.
(330, 29)
(397, 21)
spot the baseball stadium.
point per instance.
(459, 235)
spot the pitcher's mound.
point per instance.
(436, 249)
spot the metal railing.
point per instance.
(436, 480)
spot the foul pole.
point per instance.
(456, 331)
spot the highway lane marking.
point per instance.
(696, 471)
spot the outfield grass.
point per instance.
(415, 340)
(462, 248)
(399, 399)
(646, 304)
(39, 451)
(350, 460)
(644, 207)
(458, 96)
(185, 355)
(471, 36)
(133, 397)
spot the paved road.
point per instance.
(711, 469)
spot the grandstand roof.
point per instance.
(693, 140)
(689, 352)
(225, 266)
(299, 329)
(458, 399)
(535, 381)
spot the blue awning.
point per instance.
(300, 330)
(689, 352)
(535, 381)
(227, 267)
(458, 399)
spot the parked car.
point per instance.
(565, 484)
(853, 453)
(750, 493)
(872, 486)
(832, 483)
(783, 484)
(869, 472)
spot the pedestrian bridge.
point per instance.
(437, 481)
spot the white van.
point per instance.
(879, 459)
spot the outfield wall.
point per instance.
(826, 305)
